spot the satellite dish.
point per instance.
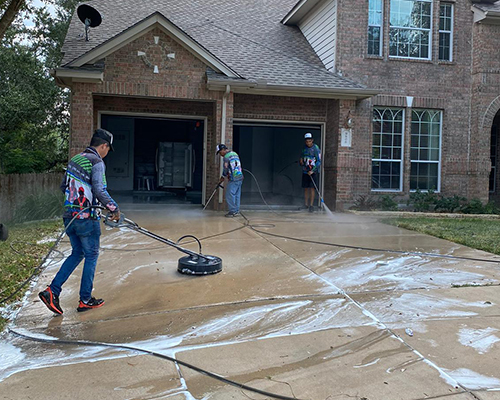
(90, 17)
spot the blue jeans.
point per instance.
(233, 195)
(84, 235)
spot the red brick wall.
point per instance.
(433, 84)
(279, 108)
(130, 85)
(296, 109)
(485, 94)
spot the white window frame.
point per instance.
(429, 54)
(401, 161)
(494, 164)
(381, 26)
(445, 31)
(438, 189)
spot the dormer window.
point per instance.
(410, 29)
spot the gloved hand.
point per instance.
(115, 216)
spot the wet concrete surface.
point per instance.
(300, 319)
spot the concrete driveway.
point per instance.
(295, 318)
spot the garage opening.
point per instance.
(156, 160)
(271, 152)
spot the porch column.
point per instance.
(223, 133)
(82, 118)
(353, 156)
(330, 153)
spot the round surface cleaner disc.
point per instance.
(190, 265)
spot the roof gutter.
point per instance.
(299, 11)
(485, 16)
(65, 77)
(262, 88)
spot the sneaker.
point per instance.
(229, 215)
(51, 301)
(311, 209)
(89, 305)
(236, 214)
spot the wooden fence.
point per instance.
(15, 187)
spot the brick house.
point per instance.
(399, 94)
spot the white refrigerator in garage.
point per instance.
(174, 165)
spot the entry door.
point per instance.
(120, 163)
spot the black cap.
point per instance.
(106, 136)
(220, 147)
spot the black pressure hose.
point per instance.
(154, 354)
(413, 253)
(125, 347)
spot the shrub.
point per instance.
(387, 203)
(450, 204)
(423, 201)
(365, 203)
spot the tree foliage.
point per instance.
(9, 9)
(34, 118)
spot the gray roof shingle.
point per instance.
(246, 35)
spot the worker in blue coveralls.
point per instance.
(310, 161)
(233, 171)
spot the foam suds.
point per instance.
(410, 307)
(11, 356)
(480, 339)
(400, 273)
(472, 380)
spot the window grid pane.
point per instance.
(375, 8)
(445, 31)
(387, 150)
(425, 149)
(409, 34)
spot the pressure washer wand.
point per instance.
(128, 223)
(213, 194)
(317, 190)
(144, 231)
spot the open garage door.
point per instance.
(156, 160)
(271, 152)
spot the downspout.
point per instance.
(223, 132)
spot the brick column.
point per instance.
(330, 153)
(82, 120)
(351, 164)
(213, 163)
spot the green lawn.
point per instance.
(482, 234)
(21, 255)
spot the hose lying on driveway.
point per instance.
(154, 354)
